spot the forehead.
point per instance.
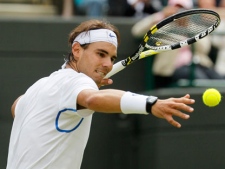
(103, 45)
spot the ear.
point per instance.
(76, 50)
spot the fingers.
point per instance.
(173, 122)
(110, 81)
(185, 100)
(105, 82)
(187, 96)
(173, 107)
(177, 113)
(183, 107)
(169, 118)
(181, 104)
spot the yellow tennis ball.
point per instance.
(211, 97)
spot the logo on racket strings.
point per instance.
(158, 43)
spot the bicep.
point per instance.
(83, 98)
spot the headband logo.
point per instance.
(111, 35)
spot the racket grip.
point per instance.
(116, 68)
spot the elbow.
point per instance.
(13, 107)
(13, 110)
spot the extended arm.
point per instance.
(110, 101)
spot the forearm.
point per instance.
(114, 101)
(107, 101)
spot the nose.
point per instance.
(108, 63)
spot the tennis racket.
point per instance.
(178, 30)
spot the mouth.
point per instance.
(101, 73)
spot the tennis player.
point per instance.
(52, 119)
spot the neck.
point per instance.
(72, 65)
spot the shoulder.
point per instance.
(73, 79)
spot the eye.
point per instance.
(113, 59)
(101, 54)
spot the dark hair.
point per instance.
(90, 25)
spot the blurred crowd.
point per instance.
(168, 68)
(203, 60)
(127, 8)
(206, 61)
(208, 57)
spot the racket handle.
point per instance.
(116, 68)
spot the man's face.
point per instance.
(97, 60)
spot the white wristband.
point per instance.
(132, 103)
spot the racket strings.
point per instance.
(182, 29)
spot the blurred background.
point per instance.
(33, 43)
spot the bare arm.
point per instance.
(109, 101)
(14, 106)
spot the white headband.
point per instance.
(96, 35)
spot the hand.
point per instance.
(168, 108)
(106, 82)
